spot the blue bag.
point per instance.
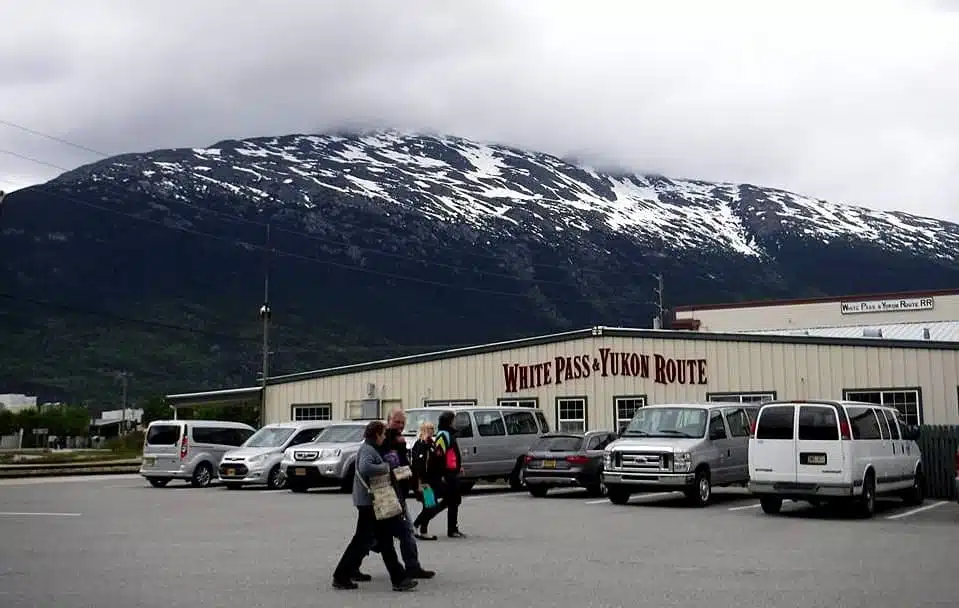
(429, 498)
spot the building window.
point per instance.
(757, 397)
(449, 402)
(908, 401)
(571, 415)
(364, 409)
(311, 411)
(624, 408)
(531, 403)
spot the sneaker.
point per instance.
(361, 577)
(344, 584)
(456, 534)
(421, 573)
(405, 585)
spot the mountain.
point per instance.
(384, 243)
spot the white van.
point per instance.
(188, 449)
(833, 451)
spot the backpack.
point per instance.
(444, 448)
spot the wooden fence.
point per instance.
(938, 444)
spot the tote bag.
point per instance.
(386, 504)
(429, 497)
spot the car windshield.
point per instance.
(269, 437)
(667, 422)
(346, 433)
(414, 418)
(557, 443)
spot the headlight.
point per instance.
(258, 459)
(607, 458)
(333, 453)
(682, 461)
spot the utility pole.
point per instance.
(3, 195)
(124, 378)
(660, 311)
(265, 314)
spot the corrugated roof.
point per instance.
(938, 331)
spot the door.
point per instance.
(161, 450)
(902, 462)
(738, 421)
(492, 444)
(819, 455)
(521, 432)
(772, 451)
(720, 449)
(868, 446)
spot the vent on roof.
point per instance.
(926, 335)
(871, 332)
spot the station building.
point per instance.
(596, 378)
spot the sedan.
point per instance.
(565, 460)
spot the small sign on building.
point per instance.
(899, 305)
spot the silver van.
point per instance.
(330, 460)
(494, 441)
(188, 449)
(685, 447)
(257, 461)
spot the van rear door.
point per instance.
(772, 449)
(161, 448)
(820, 457)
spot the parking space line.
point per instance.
(744, 507)
(917, 510)
(18, 514)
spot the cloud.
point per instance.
(850, 101)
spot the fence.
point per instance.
(939, 444)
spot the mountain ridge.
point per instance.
(385, 240)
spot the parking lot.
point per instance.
(115, 541)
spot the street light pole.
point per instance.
(265, 314)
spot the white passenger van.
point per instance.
(833, 451)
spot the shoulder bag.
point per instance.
(386, 504)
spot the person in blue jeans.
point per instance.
(394, 451)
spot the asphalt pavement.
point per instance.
(115, 541)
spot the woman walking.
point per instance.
(446, 463)
(370, 464)
(427, 479)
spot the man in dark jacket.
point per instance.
(395, 452)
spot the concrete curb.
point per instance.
(70, 468)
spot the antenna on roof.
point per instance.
(660, 312)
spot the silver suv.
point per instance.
(686, 447)
(328, 461)
(188, 449)
(257, 461)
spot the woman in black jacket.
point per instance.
(442, 474)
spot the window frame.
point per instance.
(449, 403)
(509, 401)
(732, 409)
(585, 419)
(616, 400)
(882, 392)
(520, 410)
(724, 397)
(479, 427)
(854, 431)
(317, 405)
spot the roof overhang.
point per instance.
(249, 396)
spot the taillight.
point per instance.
(577, 459)
(752, 428)
(528, 459)
(184, 446)
(844, 430)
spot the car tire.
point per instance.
(916, 495)
(701, 493)
(273, 481)
(771, 505)
(158, 482)
(538, 491)
(617, 495)
(202, 475)
(866, 505)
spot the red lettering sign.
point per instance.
(661, 369)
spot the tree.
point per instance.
(155, 408)
(7, 422)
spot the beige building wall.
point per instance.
(825, 314)
(786, 370)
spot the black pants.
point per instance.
(448, 497)
(367, 528)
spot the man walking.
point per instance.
(395, 452)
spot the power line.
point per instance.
(307, 235)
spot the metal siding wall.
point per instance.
(792, 371)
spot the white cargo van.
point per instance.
(833, 451)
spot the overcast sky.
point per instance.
(853, 101)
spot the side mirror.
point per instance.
(911, 433)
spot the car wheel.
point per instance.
(538, 491)
(158, 482)
(702, 491)
(771, 505)
(274, 480)
(866, 506)
(915, 495)
(202, 475)
(618, 496)
(517, 479)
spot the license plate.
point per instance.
(230, 472)
(299, 471)
(813, 459)
(549, 464)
